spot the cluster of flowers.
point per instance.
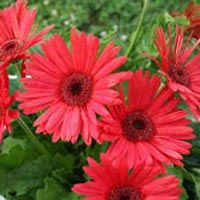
(76, 90)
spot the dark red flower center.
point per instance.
(179, 75)
(10, 48)
(137, 126)
(76, 89)
(124, 193)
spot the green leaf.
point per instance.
(165, 18)
(182, 21)
(14, 158)
(60, 175)
(172, 170)
(183, 174)
(11, 142)
(187, 175)
(198, 190)
(66, 161)
(52, 190)
(27, 177)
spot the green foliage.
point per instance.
(51, 191)
(27, 177)
(10, 142)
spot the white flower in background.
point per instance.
(72, 16)
(66, 22)
(124, 37)
(45, 21)
(103, 33)
(54, 12)
(2, 198)
(46, 2)
(115, 27)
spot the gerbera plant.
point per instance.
(86, 93)
(150, 128)
(192, 13)
(17, 32)
(73, 86)
(179, 66)
(118, 183)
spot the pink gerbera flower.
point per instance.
(150, 128)
(6, 115)
(118, 183)
(16, 35)
(72, 87)
(192, 12)
(182, 72)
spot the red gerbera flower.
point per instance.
(72, 86)
(6, 115)
(182, 72)
(192, 12)
(118, 183)
(150, 128)
(16, 23)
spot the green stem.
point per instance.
(18, 67)
(135, 33)
(32, 138)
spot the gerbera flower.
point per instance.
(192, 13)
(182, 72)
(17, 32)
(119, 183)
(72, 86)
(6, 114)
(150, 128)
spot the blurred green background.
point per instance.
(99, 17)
(25, 174)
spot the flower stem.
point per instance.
(32, 138)
(134, 35)
(17, 65)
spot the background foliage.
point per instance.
(26, 174)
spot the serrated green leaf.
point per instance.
(165, 18)
(182, 21)
(60, 175)
(14, 158)
(27, 177)
(11, 142)
(52, 190)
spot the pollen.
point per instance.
(137, 126)
(179, 75)
(10, 48)
(124, 193)
(76, 89)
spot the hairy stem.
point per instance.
(32, 138)
(135, 33)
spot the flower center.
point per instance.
(10, 48)
(124, 193)
(137, 126)
(179, 75)
(76, 89)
